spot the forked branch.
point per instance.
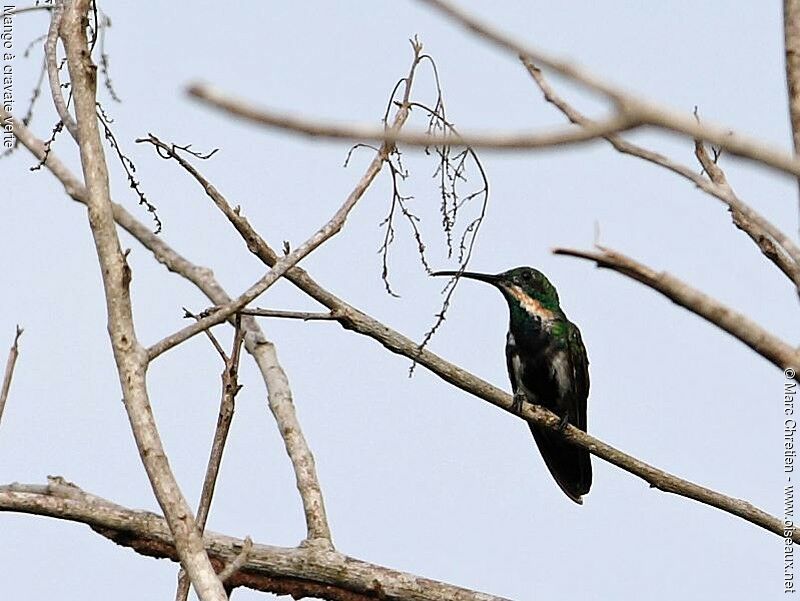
(775, 244)
(328, 230)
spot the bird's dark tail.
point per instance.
(569, 465)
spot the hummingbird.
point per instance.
(548, 366)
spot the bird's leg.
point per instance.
(562, 425)
(519, 398)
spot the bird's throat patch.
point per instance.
(531, 305)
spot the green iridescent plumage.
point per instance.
(548, 366)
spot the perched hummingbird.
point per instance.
(548, 366)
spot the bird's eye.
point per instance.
(526, 275)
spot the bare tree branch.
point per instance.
(130, 357)
(737, 325)
(230, 388)
(424, 139)
(764, 233)
(353, 319)
(13, 353)
(631, 112)
(304, 315)
(300, 572)
(51, 60)
(29, 9)
(210, 335)
(222, 313)
(356, 320)
(279, 397)
(750, 226)
(647, 113)
(262, 350)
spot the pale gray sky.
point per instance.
(417, 475)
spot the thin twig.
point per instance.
(213, 339)
(28, 9)
(468, 238)
(227, 406)
(304, 315)
(13, 353)
(230, 388)
(238, 562)
(104, 24)
(51, 60)
(128, 166)
(736, 324)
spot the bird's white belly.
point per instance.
(561, 371)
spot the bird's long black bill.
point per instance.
(483, 277)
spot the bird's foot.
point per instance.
(519, 398)
(562, 425)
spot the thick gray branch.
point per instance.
(300, 572)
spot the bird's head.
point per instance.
(525, 288)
